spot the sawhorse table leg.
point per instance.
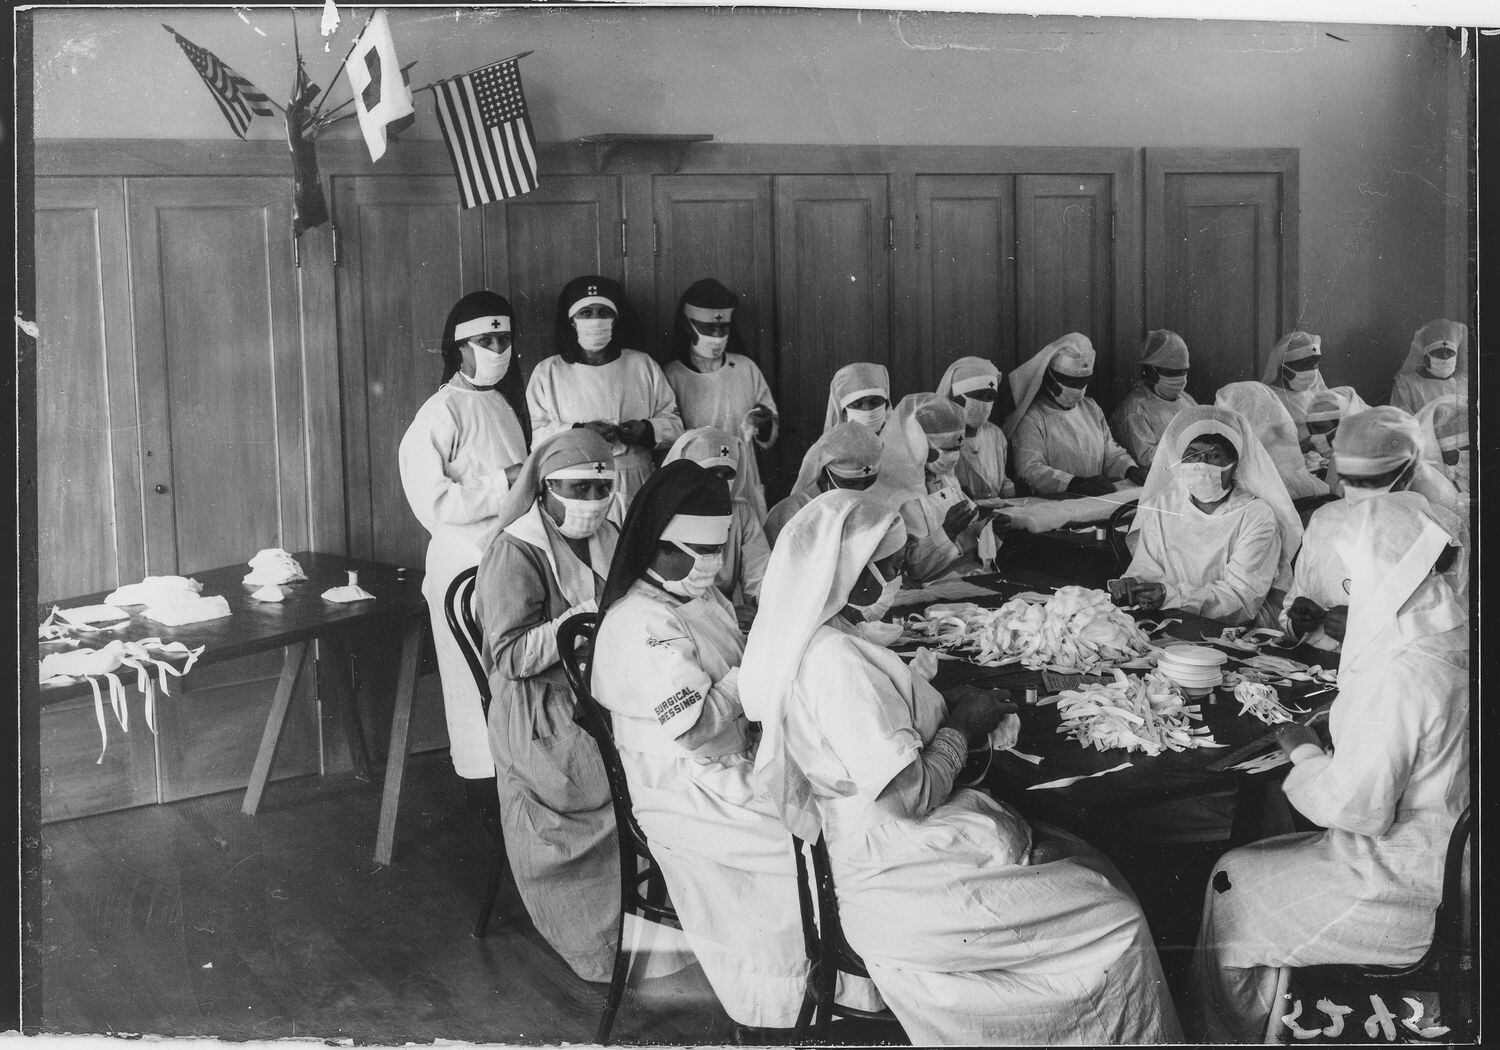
(395, 760)
(337, 667)
(292, 659)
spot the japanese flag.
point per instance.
(382, 100)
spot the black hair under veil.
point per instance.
(485, 303)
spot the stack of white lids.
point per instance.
(1192, 666)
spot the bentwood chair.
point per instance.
(828, 953)
(642, 890)
(458, 610)
(1448, 967)
(1117, 530)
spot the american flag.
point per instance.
(488, 133)
(237, 97)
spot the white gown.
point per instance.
(629, 387)
(1319, 574)
(453, 459)
(1412, 391)
(1220, 565)
(974, 933)
(1050, 446)
(981, 464)
(721, 399)
(1141, 418)
(934, 553)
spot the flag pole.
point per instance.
(476, 69)
(329, 119)
(323, 95)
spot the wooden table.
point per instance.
(292, 626)
(1150, 779)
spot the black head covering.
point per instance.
(707, 294)
(679, 487)
(566, 338)
(485, 303)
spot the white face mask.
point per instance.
(1170, 388)
(1068, 396)
(594, 334)
(489, 367)
(880, 606)
(976, 412)
(699, 578)
(945, 464)
(874, 418)
(1442, 367)
(1301, 380)
(582, 517)
(1203, 481)
(711, 347)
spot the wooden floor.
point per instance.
(190, 919)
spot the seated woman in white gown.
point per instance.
(978, 928)
(1215, 531)
(1277, 434)
(666, 665)
(846, 457)
(746, 551)
(1141, 417)
(859, 393)
(1294, 375)
(973, 384)
(1364, 889)
(1436, 365)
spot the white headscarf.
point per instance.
(918, 416)
(814, 565)
(850, 383)
(712, 447)
(1293, 347)
(848, 447)
(969, 373)
(1255, 473)
(1391, 583)
(1164, 348)
(1437, 333)
(1277, 434)
(1376, 440)
(1444, 425)
(1077, 359)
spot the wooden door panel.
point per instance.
(88, 444)
(716, 226)
(533, 245)
(1064, 265)
(409, 253)
(833, 295)
(218, 327)
(966, 279)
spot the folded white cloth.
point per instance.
(268, 593)
(346, 594)
(273, 566)
(1034, 514)
(86, 615)
(156, 590)
(189, 610)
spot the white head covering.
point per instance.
(1293, 346)
(1396, 541)
(1444, 426)
(1376, 440)
(1165, 349)
(917, 417)
(1255, 473)
(568, 450)
(712, 447)
(1273, 428)
(850, 383)
(1438, 333)
(848, 450)
(1072, 355)
(814, 565)
(1325, 407)
(969, 374)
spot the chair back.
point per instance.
(1458, 914)
(1119, 544)
(827, 948)
(463, 624)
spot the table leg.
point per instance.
(395, 759)
(348, 704)
(292, 659)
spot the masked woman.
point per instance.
(1141, 418)
(1294, 375)
(595, 381)
(973, 384)
(666, 664)
(1215, 531)
(548, 562)
(458, 457)
(1444, 422)
(846, 457)
(1277, 434)
(716, 385)
(1059, 441)
(1324, 413)
(1364, 889)
(746, 551)
(978, 928)
(1437, 364)
(859, 393)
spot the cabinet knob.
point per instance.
(161, 490)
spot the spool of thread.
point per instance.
(353, 577)
(1031, 694)
(1100, 534)
(401, 572)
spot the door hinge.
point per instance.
(335, 231)
(890, 233)
(623, 252)
(916, 221)
(1281, 224)
(655, 237)
(1111, 225)
(296, 250)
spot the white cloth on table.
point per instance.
(1040, 514)
(722, 399)
(1050, 446)
(1141, 417)
(453, 459)
(630, 387)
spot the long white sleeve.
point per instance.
(448, 479)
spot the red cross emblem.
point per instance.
(593, 289)
(724, 450)
(598, 468)
(495, 324)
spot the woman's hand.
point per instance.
(1136, 475)
(637, 432)
(1098, 485)
(1149, 595)
(1336, 622)
(1304, 615)
(959, 517)
(761, 418)
(1292, 736)
(603, 428)
(976, 712)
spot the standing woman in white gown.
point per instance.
(458, 458)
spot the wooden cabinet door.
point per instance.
(219, 353)
(966, 272)
(88, 441)
(1064, 261)
(408, 252)
(1221, 256)
(832, 297)
(533, 245)
(716, 226)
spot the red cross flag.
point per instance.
(382, 101)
